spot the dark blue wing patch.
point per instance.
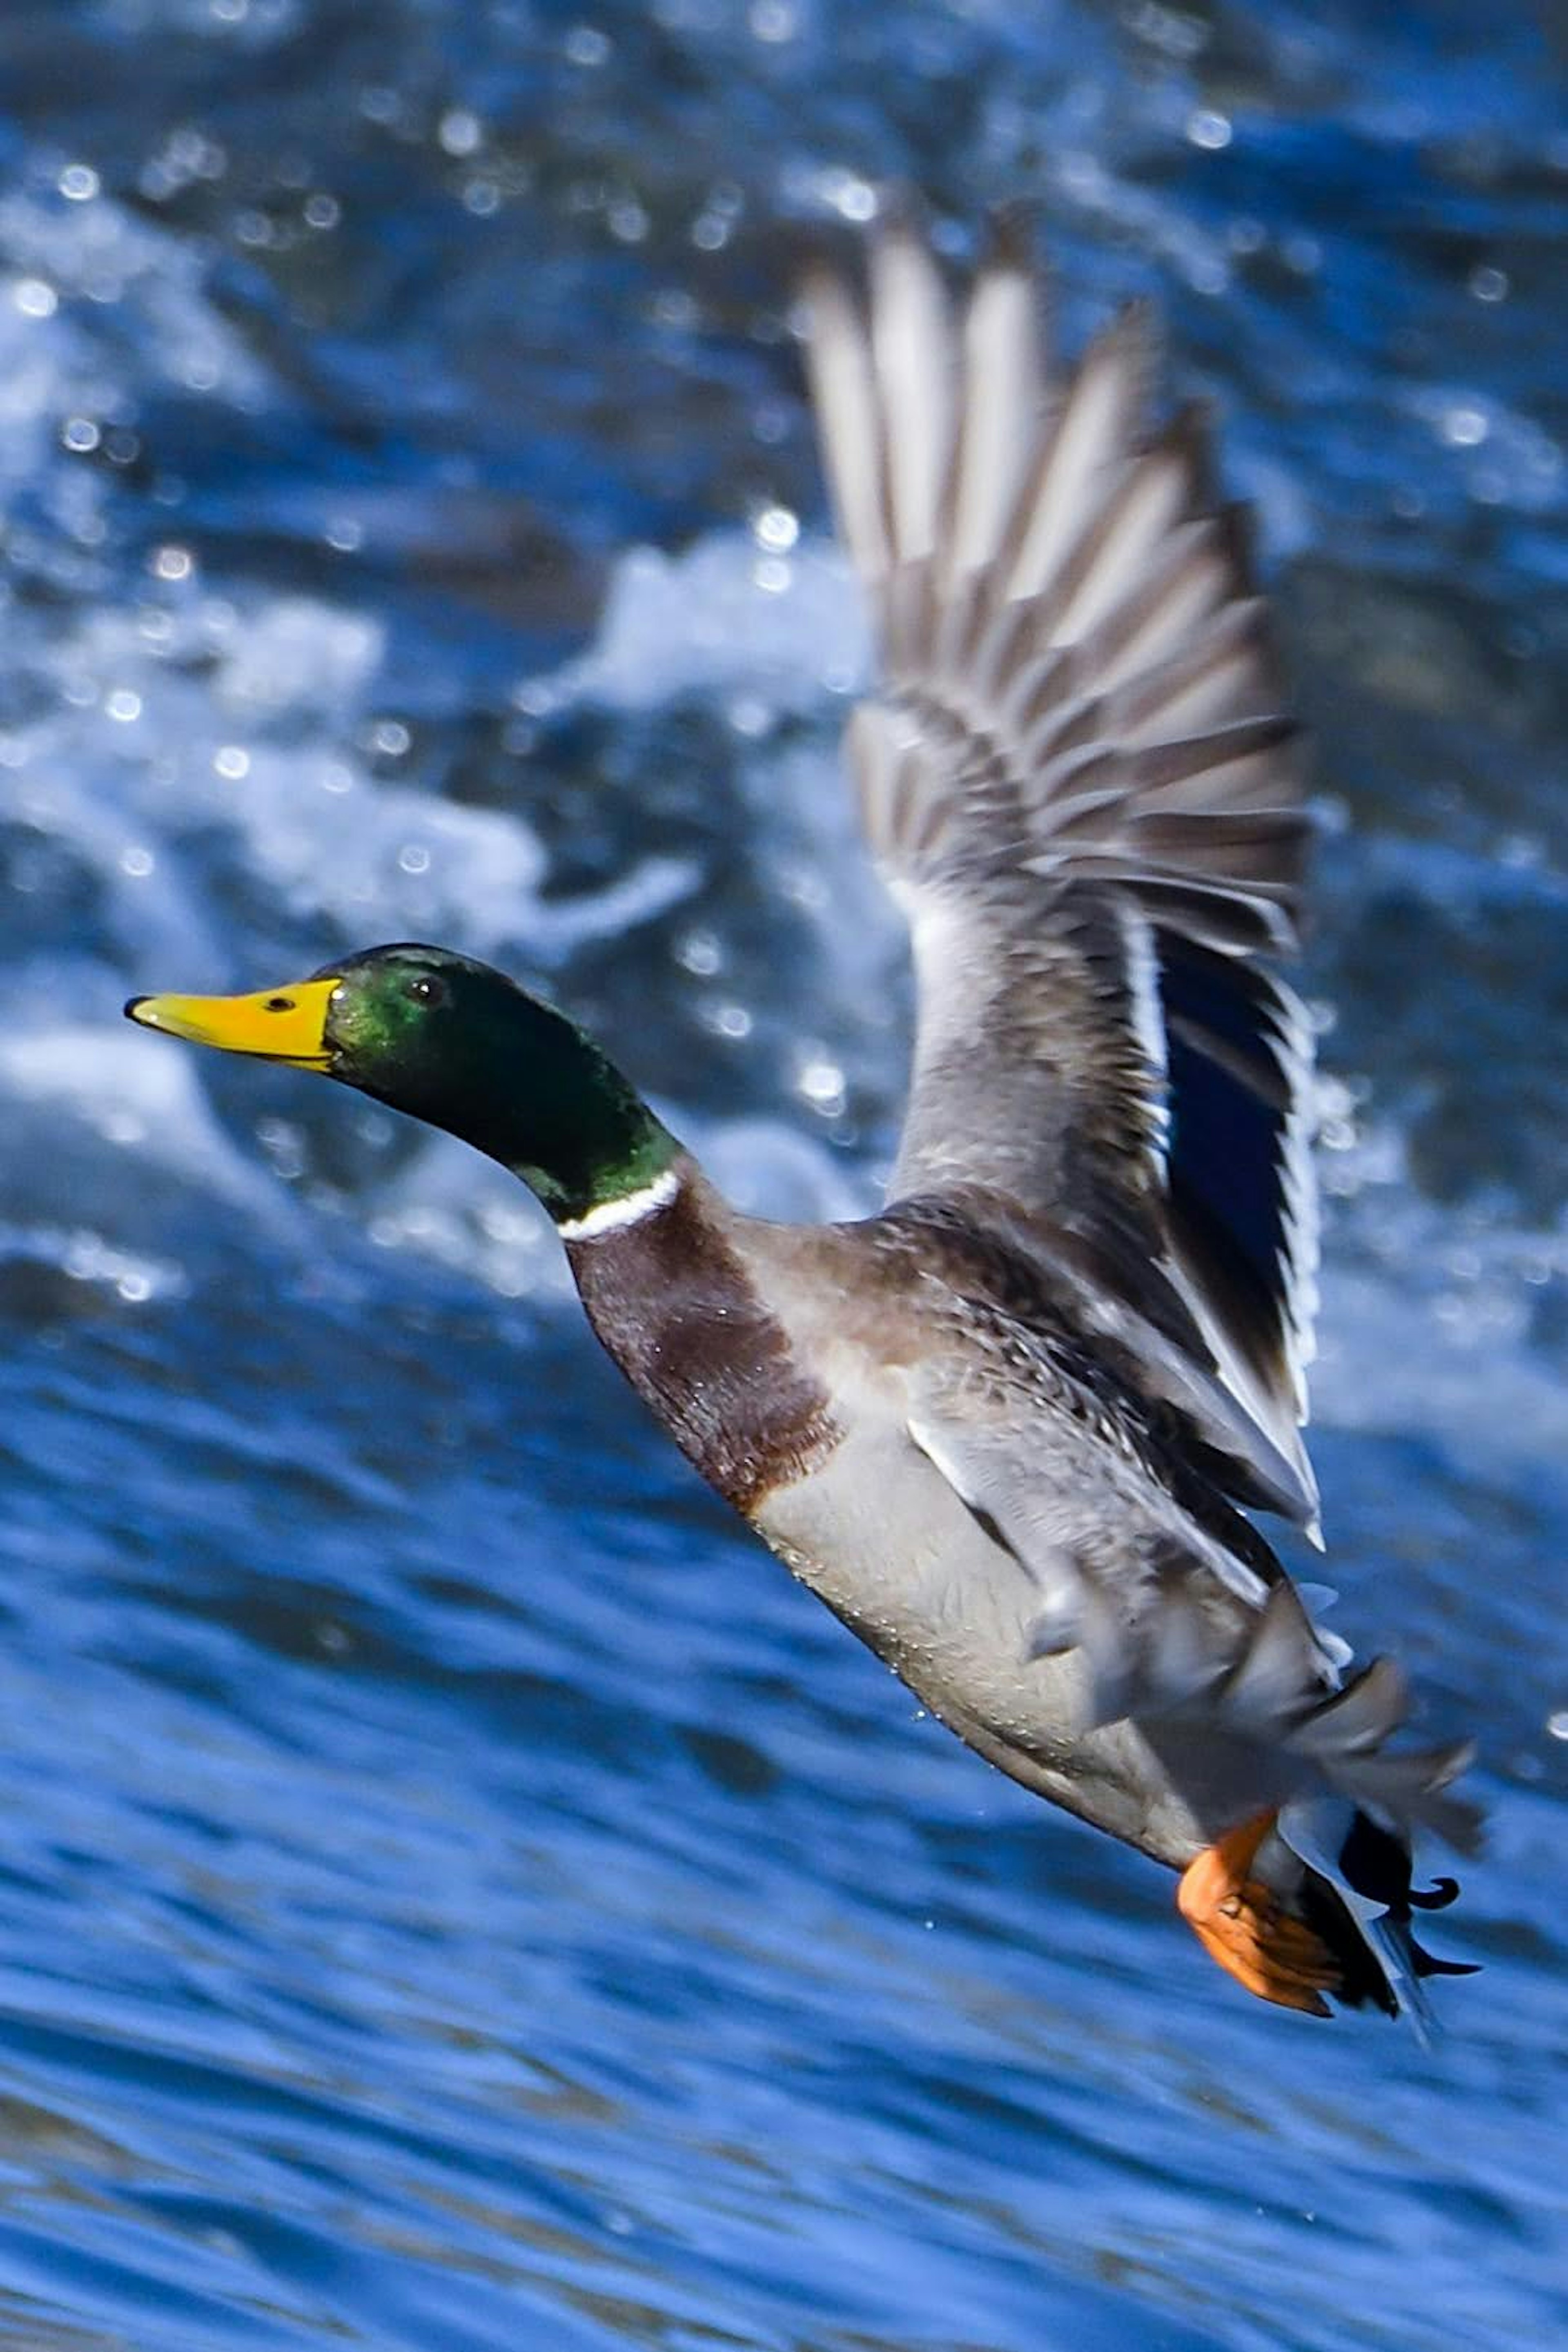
(1232, 1102)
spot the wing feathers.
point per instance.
(849, 420)
(1003, 400)
(1091, 430)
(912, 354)
(1082, 786)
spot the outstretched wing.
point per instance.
(1077, 781)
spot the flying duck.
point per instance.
(1011, 1426)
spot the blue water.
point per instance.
(455, 1892)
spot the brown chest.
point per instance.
(672, 1302)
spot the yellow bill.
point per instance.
(281, 1024)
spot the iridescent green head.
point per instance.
(458, 1045)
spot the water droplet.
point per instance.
(344, 535)
(774, 20)
(412, 858)
(1207, 127)
(770, 423)
(172, 562)
(699, 953)
(459, 131)
(822, 1084)
(79, 182)
(586, 45)
(853, 198)
(79, 434)
(1557, 1723)
(125, 706)
(776, 529)
(1465, 428)
(390, 738)
(136, 862)
(322, 210)
(34, 298)
(232, 761)
(283, 1145)
(627, 221)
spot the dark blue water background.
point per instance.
(455, 1892)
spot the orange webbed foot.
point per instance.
(1243, 1925)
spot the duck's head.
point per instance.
(458, 1045)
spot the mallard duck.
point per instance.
(1008, 1428)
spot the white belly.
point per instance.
(880, 1535)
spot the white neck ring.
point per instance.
(614, 1216)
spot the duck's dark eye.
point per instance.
(279, 1004)
(425, 988)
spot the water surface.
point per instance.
(457, 1894)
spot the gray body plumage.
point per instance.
(1020, 1536)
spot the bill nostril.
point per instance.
(279, 1004)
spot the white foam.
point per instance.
(297, 653)
(273, 743)
(139, 1097)
(155, 279)
(725, 618)
(1427, 1316)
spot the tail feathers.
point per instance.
(1405, 1789)
(1358, 1896)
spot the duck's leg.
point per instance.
(1242, 1924)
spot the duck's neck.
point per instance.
(532, 1090)
(599, 1158)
